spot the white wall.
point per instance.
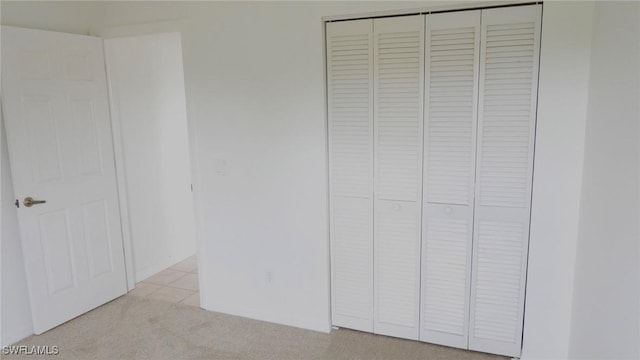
(255, 84)
(15, 311)
(254, 79)
(562, 109)
(150, 122)
(605, 312)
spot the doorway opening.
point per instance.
(151, 138)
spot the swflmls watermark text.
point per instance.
(30, 350)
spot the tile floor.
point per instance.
(177, 284)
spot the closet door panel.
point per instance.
(506, 127)
(451, 92)
(447, 231)
(398, 118)
(352, 264)
(398, 107)
(397, 270)
(350, 110)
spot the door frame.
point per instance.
(135, 31)
(121, 184)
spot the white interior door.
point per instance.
(149, 114)
(398, 118)
(451, 92)
(350, 100)
(59, 135)
(510, 42)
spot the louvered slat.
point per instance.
(398, 88)
(452, 61)
(350, 99)
(506, 123)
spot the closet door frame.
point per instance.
(471, 342)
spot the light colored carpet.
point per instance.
(139, 328)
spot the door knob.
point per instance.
(29, 202)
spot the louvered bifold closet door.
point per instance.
(350, 110)
(451, 93)
(398, 117)
(506, 125)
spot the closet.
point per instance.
(431, 122)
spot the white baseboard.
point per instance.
(307, 324)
